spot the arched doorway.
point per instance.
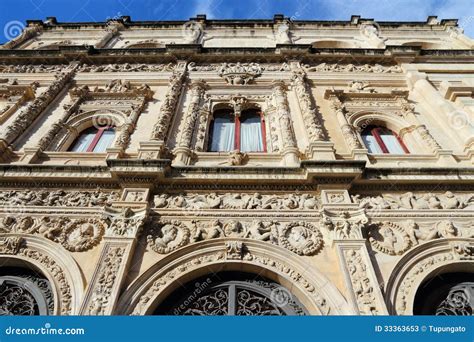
(24, 292)
(448, 294)
(232, 294)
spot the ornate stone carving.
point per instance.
(239, 74)
(124, 222)
(28, 32)
(106, 280)
(19, 224)
(190, 201)
(427, 138)
(458, 302)
(168, 108)
(409, 200)
(283, 113)
(26, 117)
(361, 283)
(234, 250)
(301, 238)
(10, 244)
(345, 225)
(308, 110)
(465, 250)
(127, 67)
(237, 158)
(13, 96)
(76, 235)
(168, 236)
(369, 68)
(97, 198)
(389, 238)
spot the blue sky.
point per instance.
(13, 12)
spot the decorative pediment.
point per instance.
(360, 97)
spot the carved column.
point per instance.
(117, 252)
(289, 147)
(183, 150)
(348, 131)
(155, 148)
(319, 147)
(28, 33)
(345, 222)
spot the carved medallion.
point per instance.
(168, 236)
(301, 238)
(389, 238)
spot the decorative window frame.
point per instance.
(118, 105)
(363, 106)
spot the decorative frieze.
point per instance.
(299, 237)
(351, 68)
(409, 200)
(256, 201)
(54, 198)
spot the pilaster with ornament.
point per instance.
(183, 150)
(319, 147)
(344, 223)
(289, 147)
(155, 148)
(118, 246)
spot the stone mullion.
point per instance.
(202, 125)
(290, 150)
(364, 291)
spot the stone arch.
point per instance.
(421, 263)
(83, 121)
(52, 261)
(313, 290)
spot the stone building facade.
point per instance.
(267, 167)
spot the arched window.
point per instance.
(94, 140)
(231, 294)
(245, 133)
(379, 139)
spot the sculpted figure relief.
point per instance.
(237, 201)
(409, 200)
(57, 198)
(299, 237)
(239, 73)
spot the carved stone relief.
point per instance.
(190, 201)
(239, 74)
(299, 237)
(409, 200)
